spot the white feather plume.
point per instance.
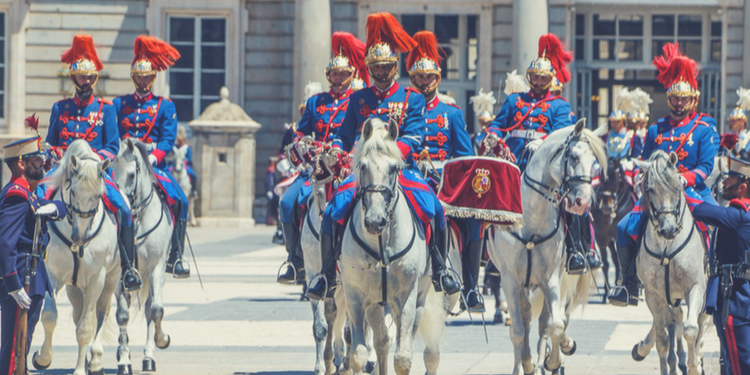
(642, 99)
(445, 98)
(744, 101)
(515, 83)
(483, 101)
(626, 101)
(313, 88)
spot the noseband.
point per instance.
(72, 209)
(388, 192)
(559, 193)
(655, 212)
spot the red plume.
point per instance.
(552, 48)
(427, 46)
(83, 46)
(673, 66)
(729, 140)
(158, 52)
(384, 28)
(32, 122)
(354, 49)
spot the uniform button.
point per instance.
(380, 101)
(139, 104)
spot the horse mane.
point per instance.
(375, 148)
(144, 156)
(89, 172)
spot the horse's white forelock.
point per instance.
(558, 138)
(88, 168)
(659, 172)
(378, 150)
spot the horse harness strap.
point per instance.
(530, 244)
(665, 261)
(312, 226)
(379, 255)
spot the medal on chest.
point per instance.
(95, 119)
(395, 109)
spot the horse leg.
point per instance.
(338, 332)
(42, 359)
(320, 334)
(103, 305)
(691, 330)
(86, 324)
(675, 345)
(658, 307)
(556, 321)
(407, 317)
(494, 284)
(161, 339)
(615, 260)
(380, 340)
(359, 352)
(152, 312)
(518, 302)
(542, 345)
(329, 354)
(605, 270)
(123, 317)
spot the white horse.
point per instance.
(82, 255)
(328, 317)
(179, 171)
(153, 230)
(671, 265)
(558, 177)
(384, 259)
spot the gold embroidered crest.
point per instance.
(481, 182)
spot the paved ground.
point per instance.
(243, 323)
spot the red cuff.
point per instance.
(405, 149)
(159, 155)
(544, 137)
(690, 178)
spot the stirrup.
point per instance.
(138, 276)
(451, 272)
(278, 274)
(577, 272)
(480, 297)
(325, 293)
(174, 265)
(614, 291)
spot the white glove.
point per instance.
(491, 139)
(152, 159)
(534, 145)
(269, 194)
(22, 299)
(48, 209)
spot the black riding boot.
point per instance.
(628, 294)
(575, 262)
(177, 266)
(592, 258)
(131, 279)
(441, 280)
(471, 277)
(325, 285)
(295, 265)
(278, 236)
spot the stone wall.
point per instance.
(269, 50)
(736, 35)
(52, 25)
(502, 47)
(344, 17)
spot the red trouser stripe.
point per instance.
(12, 368)
(734, 359)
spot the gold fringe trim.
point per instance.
(492, 216)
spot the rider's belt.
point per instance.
(526, 134)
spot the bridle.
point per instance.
(677, 211)
(137, 208)
(72, 209)
(388, 193)
(557, 194)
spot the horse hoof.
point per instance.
(149, 365)
(507, 322)
(546, 367)
(683, 369)
(637, 357)
(498, 319)
(100, 372)
(369, 367)
(571, 351)
(124, 370)
(162, 347)
(37, 365)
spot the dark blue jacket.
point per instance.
(150, 119)
(324, 114)
(94, 120)
(17, 223)
(445, 132)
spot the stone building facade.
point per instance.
(257, 48)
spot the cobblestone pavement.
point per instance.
(243, 323)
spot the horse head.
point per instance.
(132, 171)
(576, 157)
(377, 163)
(180, 154)
(80, 180)
(663, 194)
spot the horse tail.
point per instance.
(575, 291)
(432, 325)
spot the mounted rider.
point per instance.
(323, 115)
(445, 137)
(152, 119)
(388, 101)
(525, 119)
(692, 136)
(95, 120)
(728, 290)
(738, 124)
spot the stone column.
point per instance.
(530, 21)
(746, 46)
(312, 45)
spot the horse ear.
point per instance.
(367, 129)
(393, 129)
(131, 145)
(673, 159)
(104, 164)
(645, 165)
(580, 125)
(175, 149)
(74, 161)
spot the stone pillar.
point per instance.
(745, 47)
(312, 45)
(530, 21)
(225, 164)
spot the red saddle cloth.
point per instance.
(484, 188)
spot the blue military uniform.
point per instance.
(730, 307)
(695, 142)
(152, 120)
(525, 117)
(17, 224)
